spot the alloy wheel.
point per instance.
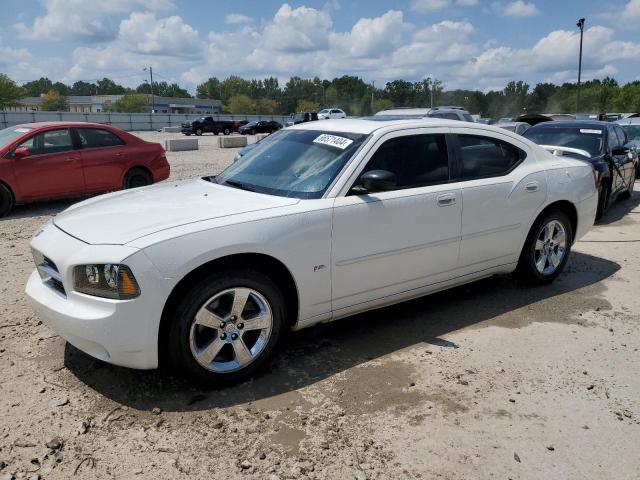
(231, 329)
(550, 247)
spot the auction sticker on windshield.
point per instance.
(333, 141)
(587, 130)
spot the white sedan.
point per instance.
(331, 113)
(318, 222)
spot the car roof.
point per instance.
(367, 126)
(572, 124)
(61, 124)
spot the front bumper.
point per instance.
(122, 332)
(187, 130)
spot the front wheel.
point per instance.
(226, 131)
(603, 201)
(226, 327)
(546, 250)
(6, 200)
(198, 131)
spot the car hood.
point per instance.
(121, 217)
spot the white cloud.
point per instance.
(629, 17)
(143, 33)
(423, 6)
(237, 18)
(80, 19)
(370, 36)
(518, 8)
(301, 29)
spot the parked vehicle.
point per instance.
(301, 117)
(206, 275)
(209, 125)
(328, 113)
(263, 126)
(449, 113)
(43, 161)
(631, 127)
(517, 127)
(600, 143)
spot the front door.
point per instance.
(53, 168)
(394, 242)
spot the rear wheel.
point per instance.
(6, 200)
(253, 132)
(137, 177)
(226, 131)
(546, 250)
(226, 327)
(198, 131)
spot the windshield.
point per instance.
(588, 138)
(633, 132)
(8, 135)
(251, 124)
(511, 128)
(323, 111)
(293, 163)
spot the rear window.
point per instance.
(588, 138)
(98, 138)
(487, 157)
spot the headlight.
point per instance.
(106, 280)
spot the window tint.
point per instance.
(97, 138)
(51, 141)
(622, 139)
(416, 160)
(487, 157)
(448, 116)
(335, 111)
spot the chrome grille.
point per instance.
(49, 272)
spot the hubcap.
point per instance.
(551, 247)
(231, 329)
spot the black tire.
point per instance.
(527, 272)
(226, 131)
(603, 200)
(179, 341)
(137, 177)
(188, 134)
(198, 131)
(629, 191)
(6, 200)
(253, 132)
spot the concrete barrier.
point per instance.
(171, 129)
(260, 136)
(181, 144)
(232, 141)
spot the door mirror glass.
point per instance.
(378, 181)
(21, 152)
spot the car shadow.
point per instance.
(320, 352)
(41, 209)
(619, 209)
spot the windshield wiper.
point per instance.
(239, 185)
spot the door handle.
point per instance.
(532, 187)
(446, 200)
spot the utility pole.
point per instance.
(580, 25)
(373, 89)
(153, 100)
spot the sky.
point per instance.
(475, 44)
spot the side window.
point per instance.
(622, 137)
(98, 138)
(55, 141)
(487, 157)
(335, 111)
(32, 144)
(416, 160)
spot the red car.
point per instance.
(42, 161)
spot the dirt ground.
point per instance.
(489, 380)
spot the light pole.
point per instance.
(373, 89)
(580, 25)
(153, 100)
(429, 80)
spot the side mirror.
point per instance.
(21, 152)
(620, 151)
(378, 181)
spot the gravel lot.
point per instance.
(489, 380)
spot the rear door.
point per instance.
(501, 192)
(104, 157)
(54, 167)
(628, 166)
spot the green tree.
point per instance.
(106, 86)
(233, 86)
(54, 102)
(83, 88)
(10, 92)
(381, 104)
(129, 103)
(266, 106)
(240, 104)
(307, 106)
(209, 89)
(38, 87)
